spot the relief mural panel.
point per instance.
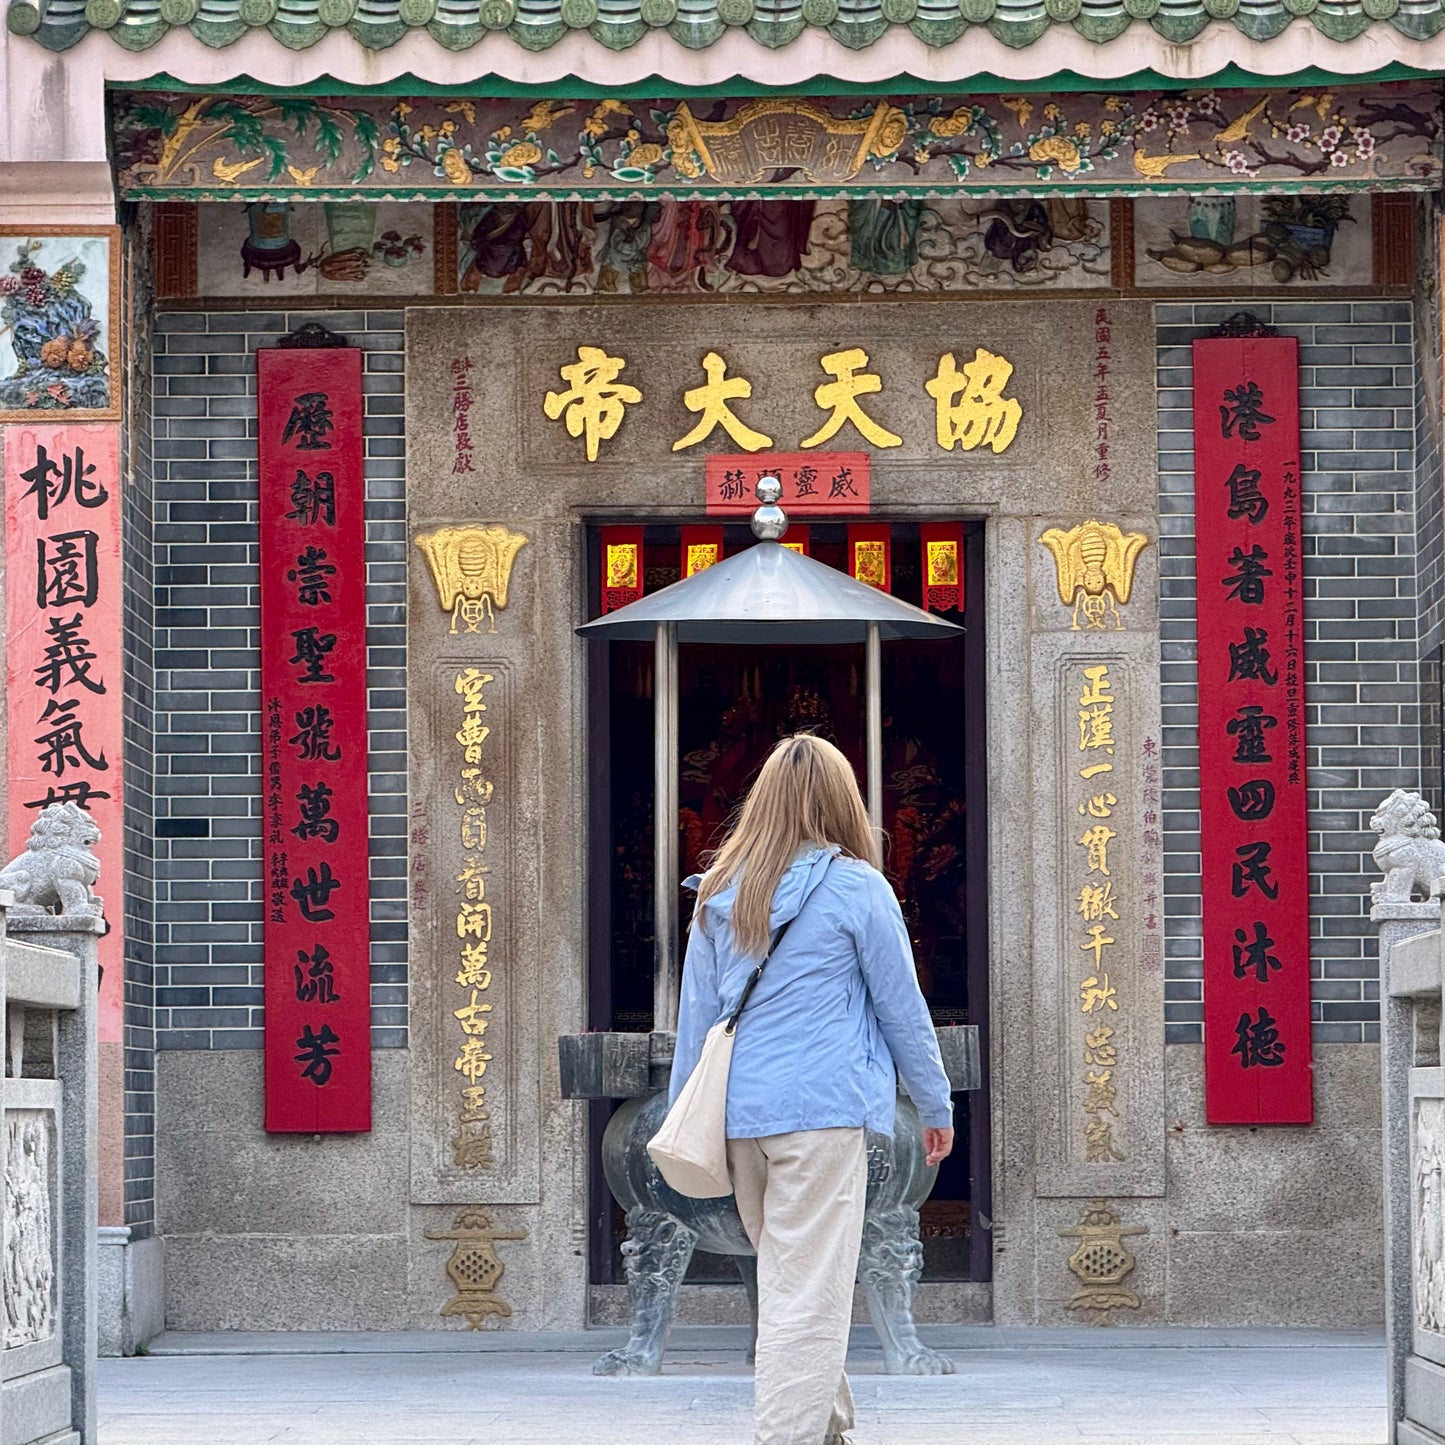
(277, 248)
(1230, 242)
(30, 1282)
(1428, 1214)
(707, 247)
(704, 247)
(59, 308)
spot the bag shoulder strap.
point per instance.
(778, 937)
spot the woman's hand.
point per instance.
(938, 1145)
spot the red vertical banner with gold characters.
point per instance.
(63, 663)
(870, 554)
(1253, 809)
(314, 765)
(621, 567)
(941, 545)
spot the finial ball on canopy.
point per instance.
(770, 522)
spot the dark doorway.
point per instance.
(736, 701)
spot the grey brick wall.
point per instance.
(138, 623)
(1363, 590)
(208, 961)
(1429, 503)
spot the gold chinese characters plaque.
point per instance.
(970, 402)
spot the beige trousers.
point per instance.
(801, 1199)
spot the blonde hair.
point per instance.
(805, 793)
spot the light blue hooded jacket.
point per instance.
(837, 1007)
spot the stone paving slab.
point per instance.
(1013, 1387)
(724, 1338)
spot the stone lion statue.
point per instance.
(55, 872)
(1410, 853)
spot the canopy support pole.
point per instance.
(666, 975)
(873, 685)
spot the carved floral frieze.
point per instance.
(205, 146)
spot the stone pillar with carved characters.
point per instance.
(476, 1091)
(1098, 909)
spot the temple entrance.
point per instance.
(735, 702)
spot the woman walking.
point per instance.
(813, 1066)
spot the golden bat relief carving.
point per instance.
(1095, 566)
(472, 568)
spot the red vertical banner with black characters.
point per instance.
(1252, 795)
(63, 664)
(314, 765)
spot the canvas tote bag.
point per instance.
(691, 1148)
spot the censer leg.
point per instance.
(656, 1254)
(889, 1268)
(748, 1272)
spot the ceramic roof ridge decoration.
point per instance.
(1300, 139)
(697, 24)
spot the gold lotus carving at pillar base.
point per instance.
(472, 569)
(1102, 1262)
(475, 1267)
(1095, 566)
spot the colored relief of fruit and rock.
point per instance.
(54, 308)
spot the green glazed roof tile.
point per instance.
(937, 30)
(621, 24)
(938, 22)
(1179, 21)
(1101, 20)
(697, 25)
(1262, 19)
(776, 26)
(1419, 21)
(377, 31)
(859, 23)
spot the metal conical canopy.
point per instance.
(769, 593)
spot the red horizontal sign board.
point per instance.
(824, 484)
(1252, 762)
